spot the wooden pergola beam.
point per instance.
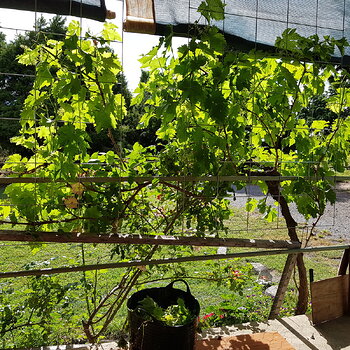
(140, 17)
(89, 237)
(135, 263)
(5, 180)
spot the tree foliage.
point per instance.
(231, 113)
(74, 92)
(225, 112)
(77, 79)
(17, 80)
(218, 112)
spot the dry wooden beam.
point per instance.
(140, 17)
(135, 263)
(89, 237)
(140, 179)
(283, 285)
(344, 263)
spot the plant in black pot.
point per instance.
(163, 318)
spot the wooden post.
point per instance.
(343, 266)
(288, 269)
(283, 285)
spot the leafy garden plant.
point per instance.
(221, 112)
(229, 113)
(36, 314)
(173, 315)
(74, 92)
(252, 305)
(246, 300)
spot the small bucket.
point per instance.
(153, 334)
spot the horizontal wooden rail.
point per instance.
(230, 178)
(89, 237)
(136, 263)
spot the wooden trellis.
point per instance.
(284, 247)
(292, 249)
(140, 17)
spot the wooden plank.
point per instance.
(90, 237)
(140, 17)
(283, 285)
(344, 263)
(254, 341)
(134, 263)
(140, 8)
(152, 262)
(329, 298)
(4, 180)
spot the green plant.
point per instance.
(220, 112)
(173, 315)
(15, 87)
(237, 309)
(246, 301)
(34, 316)
(74, 87)
(225, 112)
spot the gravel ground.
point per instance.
(336, 219)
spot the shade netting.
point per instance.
(256, 23)
(93, 9)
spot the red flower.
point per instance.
(208, 315)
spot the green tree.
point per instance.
(16, 80)
(146, 136)
(224, 112)
(74, 91)
(317, 109)
(101, 141)
(220, 112)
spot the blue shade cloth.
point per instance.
(252, 24)
(92, 9)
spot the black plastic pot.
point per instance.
(153, 334)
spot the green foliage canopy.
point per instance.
(225, 112)
(77, 78)
(17, 80)
(219, 111)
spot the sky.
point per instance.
(14, 22)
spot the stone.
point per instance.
(271, 291)
(222, 250)
(257, 268)
(262, 271)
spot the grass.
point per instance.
(324, 263)
(19, 256)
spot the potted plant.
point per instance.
(163, 318)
